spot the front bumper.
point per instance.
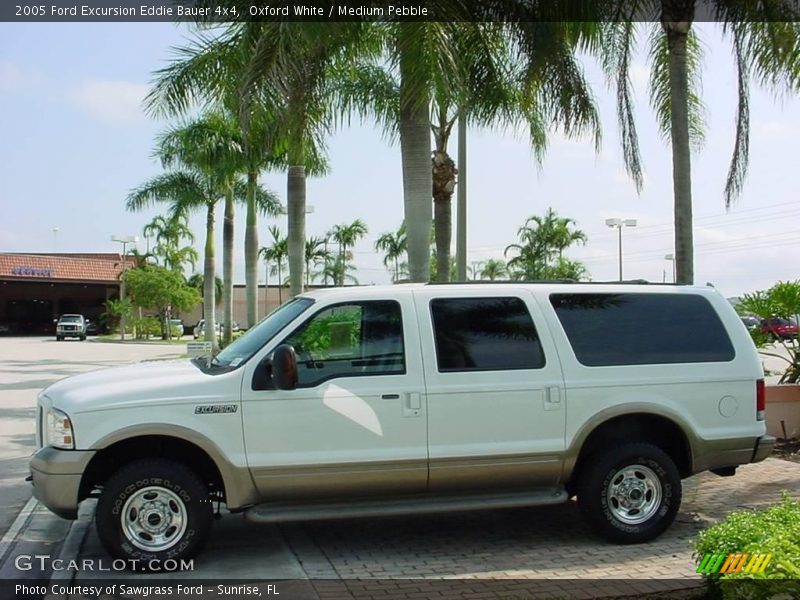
(57, 478)
(763, 448)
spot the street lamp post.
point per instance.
(671, 257)
(124, 240)
(619, 224)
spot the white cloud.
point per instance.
(15, 77)
(113, 101)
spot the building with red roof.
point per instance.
(37, 288)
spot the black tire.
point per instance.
(179, 507)
(83, 338)
(59, 338)
(650, 490)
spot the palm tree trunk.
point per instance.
(461, 201)
(209, 269)
(677, 31)
(280, 284)
(296, 209)
(442, 216)
(227, 267)
(444, 182)
(415, 150)
(251, 251)
(340, 267)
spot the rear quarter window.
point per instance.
(642, 329)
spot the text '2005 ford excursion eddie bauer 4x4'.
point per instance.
(388, 400)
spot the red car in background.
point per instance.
(778, 328)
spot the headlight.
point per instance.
(59, 430)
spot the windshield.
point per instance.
(251, 342)
(71, 319)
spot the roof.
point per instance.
(62, 267)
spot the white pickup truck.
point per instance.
(388, 400)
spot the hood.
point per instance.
(145, 383)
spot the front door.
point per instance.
(357, 421)
(496, 405)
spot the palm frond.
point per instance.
(183, 189)
(618, 41)
(660, 89)
(741, 148)
(267, 201)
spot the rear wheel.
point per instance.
(153, 510)
(631, 493)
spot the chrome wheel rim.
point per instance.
(154, 519)
(634, 494)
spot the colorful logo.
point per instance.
(735, 562)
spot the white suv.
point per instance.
(388, 400)
(71, 326)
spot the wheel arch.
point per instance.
(663, 431)
(176, 443)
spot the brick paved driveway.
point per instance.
(539, 543)
(536, 552)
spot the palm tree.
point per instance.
(169, 233)
(202, 155)
(393, 246)
(316, 251)
(346, 236)
(465, 69)
(764, 48)
(276, 254)
(186, 190)
(338, 270)
(542, 243)
(297, 64)
(493, 269)
(208, 72)
(212, 142)
(197, 281)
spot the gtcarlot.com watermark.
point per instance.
(43, 562)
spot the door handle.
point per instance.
(552, 398)
(390, 396)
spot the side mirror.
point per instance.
(55, 320)
(284, 367)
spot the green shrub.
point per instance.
(775, 531)
(146, 327)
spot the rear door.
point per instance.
(496, 405)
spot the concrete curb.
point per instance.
(70, 549)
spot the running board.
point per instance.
(277, 512)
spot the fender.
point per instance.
(240, 490)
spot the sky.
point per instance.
(74, 141)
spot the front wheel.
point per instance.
(630, 494)
(153, 510)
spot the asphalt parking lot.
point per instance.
(472, 555)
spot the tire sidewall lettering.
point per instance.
(120, 500)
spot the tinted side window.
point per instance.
(482, 334)
(641, 329)
(347, 340)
